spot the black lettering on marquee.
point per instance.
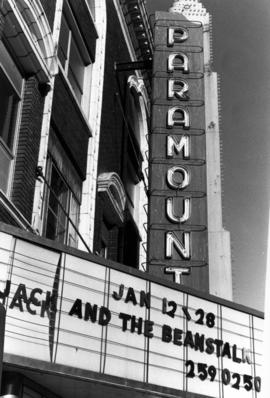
(166, 333)
(148, 328)
(186, 313)
(136, 324)
(166, 310)
(76, 309)
(90, 312)
(131, 296)
(209, 346)
(219, 344)
(177, 337)
(234, 354)
(145, 299)
(246, 356)
(33, 300)
(5, 293)
(19, 297)
(104, 316)
(199, 342)
(119, 295)
(48, 305)
(226, 351)
(125, 318)
(188, 341)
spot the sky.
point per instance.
(241, 49)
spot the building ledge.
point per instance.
(29, 36)
(11, 215)
(111, 189)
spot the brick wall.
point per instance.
(28, 149)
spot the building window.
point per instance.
(73, 55)
(11, 85)
(131, 242)
(63, 196)
(62, 207)
(9, 100)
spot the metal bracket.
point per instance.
(137, 65)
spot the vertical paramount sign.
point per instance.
(177, 197)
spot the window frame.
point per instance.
(75, 38)
(67, 217)
(16, 81)
(9, 141)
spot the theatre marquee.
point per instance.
(70, 308)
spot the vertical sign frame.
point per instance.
(177, 227)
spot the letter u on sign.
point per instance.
(170, 211)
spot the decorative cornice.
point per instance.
(138, 85)
(191, 9)
(137, 22)
(111, 189)
(28, 32)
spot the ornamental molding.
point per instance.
(27, 31)
(111, 189)
(192, 10)
(137, 84)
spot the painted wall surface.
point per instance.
(177, 206)
(77, 310)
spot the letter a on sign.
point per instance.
(183, 121)
(174, 64)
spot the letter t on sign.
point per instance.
(178, 272)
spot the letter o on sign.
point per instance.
(172, 179)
